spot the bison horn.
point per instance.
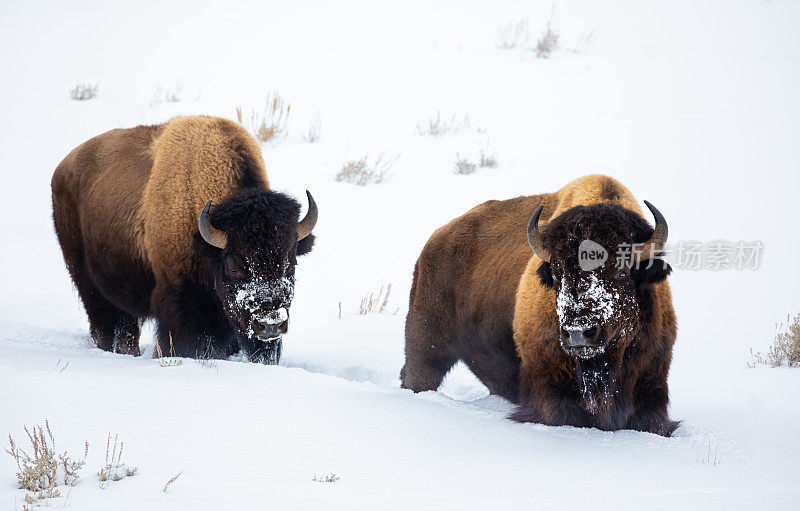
(306, 225)
(211, 234)
(535, 237)
(659, 237)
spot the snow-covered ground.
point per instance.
(692, 105)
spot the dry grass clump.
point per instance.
(375, 302)
(365, 171)
(518, 35)
(270, 123)
(83, 91)
(547, 43)
(43, 470)
(169, 361)
(437, 126)
(465, 167)
(314, 129)
(326, 478)
(487, 161)
(785, 347)
(114, 469)
(171, 480)
(206, 358)
(584, 42)
(514, 35)
(164, 95)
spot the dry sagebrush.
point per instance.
(114, 469)
(514, 35)
(465, 167)
(83, 91)
(364, 170)
(785, 347)
(437, 126)
(547, 43)
(270, 123)
(41, 470)
(518, 35)
(165, 95)
(314, 129)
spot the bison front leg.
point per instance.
(550, 403)
(189, 324)
(651, 398)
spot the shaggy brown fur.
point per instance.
(125, 207)
(480, 295)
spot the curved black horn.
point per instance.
(655, 245)
(535, 237)
(306, 225)
(211, 234)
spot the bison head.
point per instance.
(254, 238)
(602, 261)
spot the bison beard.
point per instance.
(587, 348)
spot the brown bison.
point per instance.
(570, 345)
(133, 212)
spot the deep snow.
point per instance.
(692, 105)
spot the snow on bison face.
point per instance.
(258, 237)
(589, 257)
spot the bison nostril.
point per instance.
(284, 327)
(564, 334)
(591, 333)
(257, 327)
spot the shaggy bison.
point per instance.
(141, 238)
(570, 343)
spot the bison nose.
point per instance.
(580, 338)
(265, 330)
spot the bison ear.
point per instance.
(545, 273)
(652, 271)
(305, 245)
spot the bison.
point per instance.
(141, 238)
(587, 347)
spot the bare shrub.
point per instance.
(514, 35)
(375, 302)
(583, 44)
(488, 161)
(83, 91)
(785, 347)
(314, 129)
(164, 95)
(326, 478)
(365, 171)
(43, 470)
(547, 43)
(269, 123)
(437, 126)
(464, 166)
(206, 359)
(114, 469)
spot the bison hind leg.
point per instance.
(425, 371)
(110, 327)
(113, 329)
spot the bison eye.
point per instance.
(235, 269)
(621, 275)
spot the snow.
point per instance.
(692, 106)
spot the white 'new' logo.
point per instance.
(591, 255)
